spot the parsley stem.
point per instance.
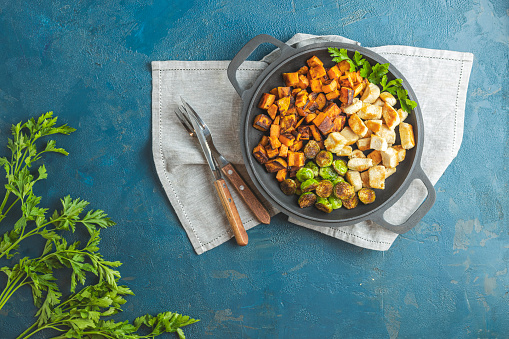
(12, 286)
(47, 326)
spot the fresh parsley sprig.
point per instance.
(376, 74)
(82, 316)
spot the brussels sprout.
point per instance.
(324, 189)
(351, 203)
(304, 174)
(307, 199)
(366, 195)
(311, 149)
(309, 185)
(288, 186)
(335, 202)
(323, 205)
(324, 158)
(340, 166)
(328, 173)
(343, 190)
(313, 166)
(339, 179)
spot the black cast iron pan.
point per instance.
(290, 60)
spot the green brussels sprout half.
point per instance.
(328, 173)
(335, 202)
(339, 179)
(313, 166)
(340, 166)
(324, 158)
(304, 174)
(324, 188)
(288, 186)
(309, 185)
(323, 204)
(307, 199)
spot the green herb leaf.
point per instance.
(339, 55)
(406, 104)
(377, 72)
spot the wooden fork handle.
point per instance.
(247, 195)
(231, 212)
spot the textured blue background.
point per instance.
(89, 62)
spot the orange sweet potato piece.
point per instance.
(321, 100)
(310, 117)
(264, 141)
(287, 139)
(332, 95)
(315, 133)
(332, 110)
(346, 95)
(274, 143)
(272, 111)
(283, 104)
(317, 72)
(297, 145)
(283, 151)
(260, 154)
(275, 165)
(271, 152)
(291, 79)
(288, 123)
(316, 85)
(266, 100)
(281, 174)
(326, 125)
(344, 66)
(330, 86)
(303, 70)
(314, 61)
(319, 118)
(301, 99)
(283, 92)
(334, 72)
(262, 122)
(303, 82)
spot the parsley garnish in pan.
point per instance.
(376, 74)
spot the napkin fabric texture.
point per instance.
(439, 78)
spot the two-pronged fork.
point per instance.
(197, 127)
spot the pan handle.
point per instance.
(418, 213)
(245, 52)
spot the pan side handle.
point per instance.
(245, 52)
(418, 214)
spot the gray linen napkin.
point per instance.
(439, 79)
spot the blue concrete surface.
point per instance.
(89, 62)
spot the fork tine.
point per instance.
(185, 122)
(194, 115)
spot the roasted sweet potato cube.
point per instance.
(329, 86)
(326, 125)
(311, 106)
(281, 174)
(275, 130)
(297, 145)
(315, 133)
(344, 66)
(260, 154)
(304, 132)
(321, 100)
(303, 70)
(283, 92)
(273, 92)
(303, 82)
(317, 72)
(274, 143)
(339, 123)
(346, 95)
(299, 123)
(314, 61)
(301, 99)
(291, 79)
(346, 80)
(271, 152)
(332, 110)
(310, 117)
(262, 122)
(266, 100)
(332, 95)
(288, 123)
(296, 159)
(283, 151)
(357, 89)
(316, 85)
(272, 111)
(287, 139)
(319, 118)
(334, 72)
(277, 120)
(283, 104)
(275, 165)
(264, 141)
(301, 112)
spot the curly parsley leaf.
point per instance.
(392, 86)
(339, 55)
(377, 73)
(406, 104)
(366, 69)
